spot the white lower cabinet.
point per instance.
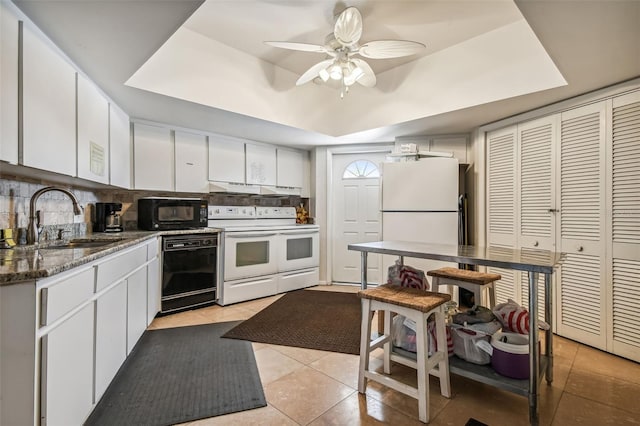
(111, 336)
(136, 307)
(67, 370)
(63, 338)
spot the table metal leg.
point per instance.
(363, 270)
(548, 317)
(534, 355)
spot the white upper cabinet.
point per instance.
(8, 84)
(119, 148)
(153, 156)
(290, 171)
(191, 162)
(93, 132)
(49, 106)
(226, 159)
(261, 164)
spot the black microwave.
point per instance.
(156, 214)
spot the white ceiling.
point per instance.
(204, 66)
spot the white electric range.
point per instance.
(265, 252)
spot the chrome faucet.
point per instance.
(35, 228)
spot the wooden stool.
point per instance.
(475, 282)
(417, 305)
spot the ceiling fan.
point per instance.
(341, 46)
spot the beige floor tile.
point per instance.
(402, 402)
(305, 394)
(574, 410)
(342, 367)
(596, 361)
(357, 409)
(258, 417)
(605, 389)
(303, 355)
(273, 365)
(337, 287)
(564, 348)
(232, 313)
(257, 345)
(181, 319)
(486, 404)
(258, 304)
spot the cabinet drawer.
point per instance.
(119, 266)
(64, 295)
(298, 279)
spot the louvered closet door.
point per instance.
(536, 195)
(501, 205)
(581, 294)
(625, 241)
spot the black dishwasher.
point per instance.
(189, 271)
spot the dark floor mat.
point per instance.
(324, 320)
(182, 374)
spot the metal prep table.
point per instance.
(532, 261)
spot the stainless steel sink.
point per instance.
(82, 243)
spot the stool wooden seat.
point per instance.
(416, 305)
(475, 282)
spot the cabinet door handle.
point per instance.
(535, 244)
(554, 211)
(580, 248)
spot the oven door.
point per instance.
(298, 249)
(249, 254)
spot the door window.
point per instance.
(361, 169)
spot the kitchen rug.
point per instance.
(181, 374)
(324, 320)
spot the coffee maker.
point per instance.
(107, 218)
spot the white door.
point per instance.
(501, 203)
(356, 214)
(624, 275)
(536, 196)
(581, 294)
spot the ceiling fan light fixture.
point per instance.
(354, 74)
(335, 72)
(340, 48)
(324, 74)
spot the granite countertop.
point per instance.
(27, 263)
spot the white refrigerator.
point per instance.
(420, 204)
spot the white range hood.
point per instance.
(234, 188)
(279, 190)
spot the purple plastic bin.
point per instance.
(510, 355)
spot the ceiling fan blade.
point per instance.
(312, 72)
(385, 49)
(305, 47)
(368, 78)
(348, 28)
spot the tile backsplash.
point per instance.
(57, 210)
